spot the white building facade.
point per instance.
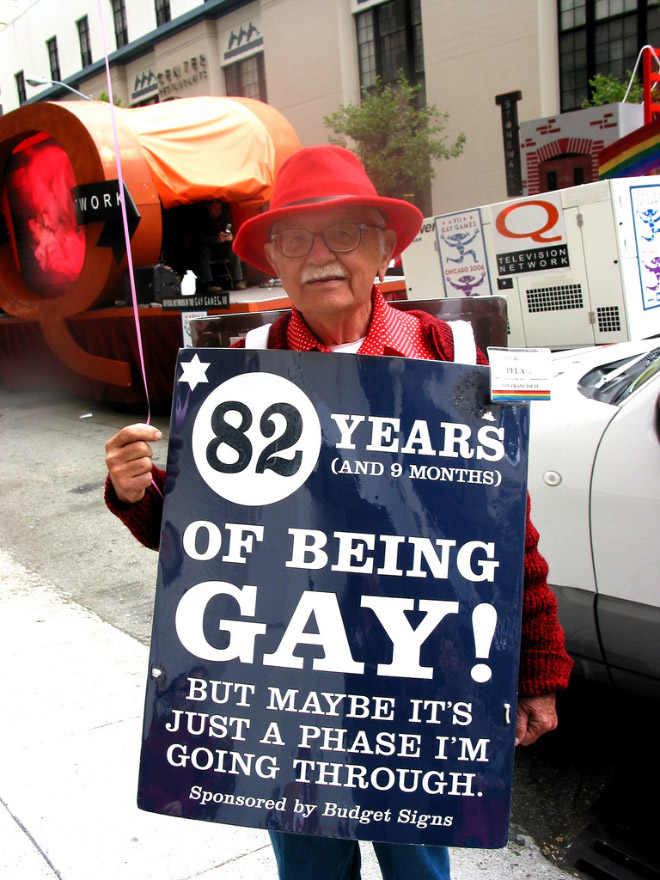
(306, 57)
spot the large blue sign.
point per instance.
(337, 615)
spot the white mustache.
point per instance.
(322, 273)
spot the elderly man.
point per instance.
(328, 235)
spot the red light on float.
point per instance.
(48, 244)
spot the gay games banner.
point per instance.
(336, 625)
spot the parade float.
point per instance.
(87, 292)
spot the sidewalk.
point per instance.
(69, 751)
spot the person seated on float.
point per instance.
(211, 244)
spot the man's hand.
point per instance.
(128, 458)
(535, 716)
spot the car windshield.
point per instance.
(613, 382)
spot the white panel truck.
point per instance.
(578, 266)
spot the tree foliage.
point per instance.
(395, 140)
(105, 97)
(609, 89)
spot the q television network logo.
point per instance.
(529, 235)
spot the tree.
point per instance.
(609, 89)
(395, 140)
(105, 97)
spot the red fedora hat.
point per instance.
(318, 177)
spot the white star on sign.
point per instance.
(194, 372)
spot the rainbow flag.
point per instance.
(501, 395)
(636, 154)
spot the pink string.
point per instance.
(124, 215)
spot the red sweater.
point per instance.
(544, 664)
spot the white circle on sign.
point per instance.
(256, 439)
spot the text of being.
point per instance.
(407, 556)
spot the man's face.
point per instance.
(328, 286)
(214, 209)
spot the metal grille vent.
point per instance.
(609, 319)
(610, 851)
(554, 299)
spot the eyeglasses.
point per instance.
(339, 238)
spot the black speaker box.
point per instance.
(152, 284)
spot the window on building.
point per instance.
(121, 29)
(653, 24)
(20, 86)
(85, 43)
(389, 39)
(601, 36)
(163, 14)
(53, 59)
(247, 78)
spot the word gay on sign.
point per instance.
(336, 624)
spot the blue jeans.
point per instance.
(302, 857)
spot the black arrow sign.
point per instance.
(100, 201)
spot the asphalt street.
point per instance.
(77, 595)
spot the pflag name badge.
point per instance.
(519, 374)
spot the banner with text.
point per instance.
(646, 221)
(462, 252)
(337, 614)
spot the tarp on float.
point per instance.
(212, 148)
